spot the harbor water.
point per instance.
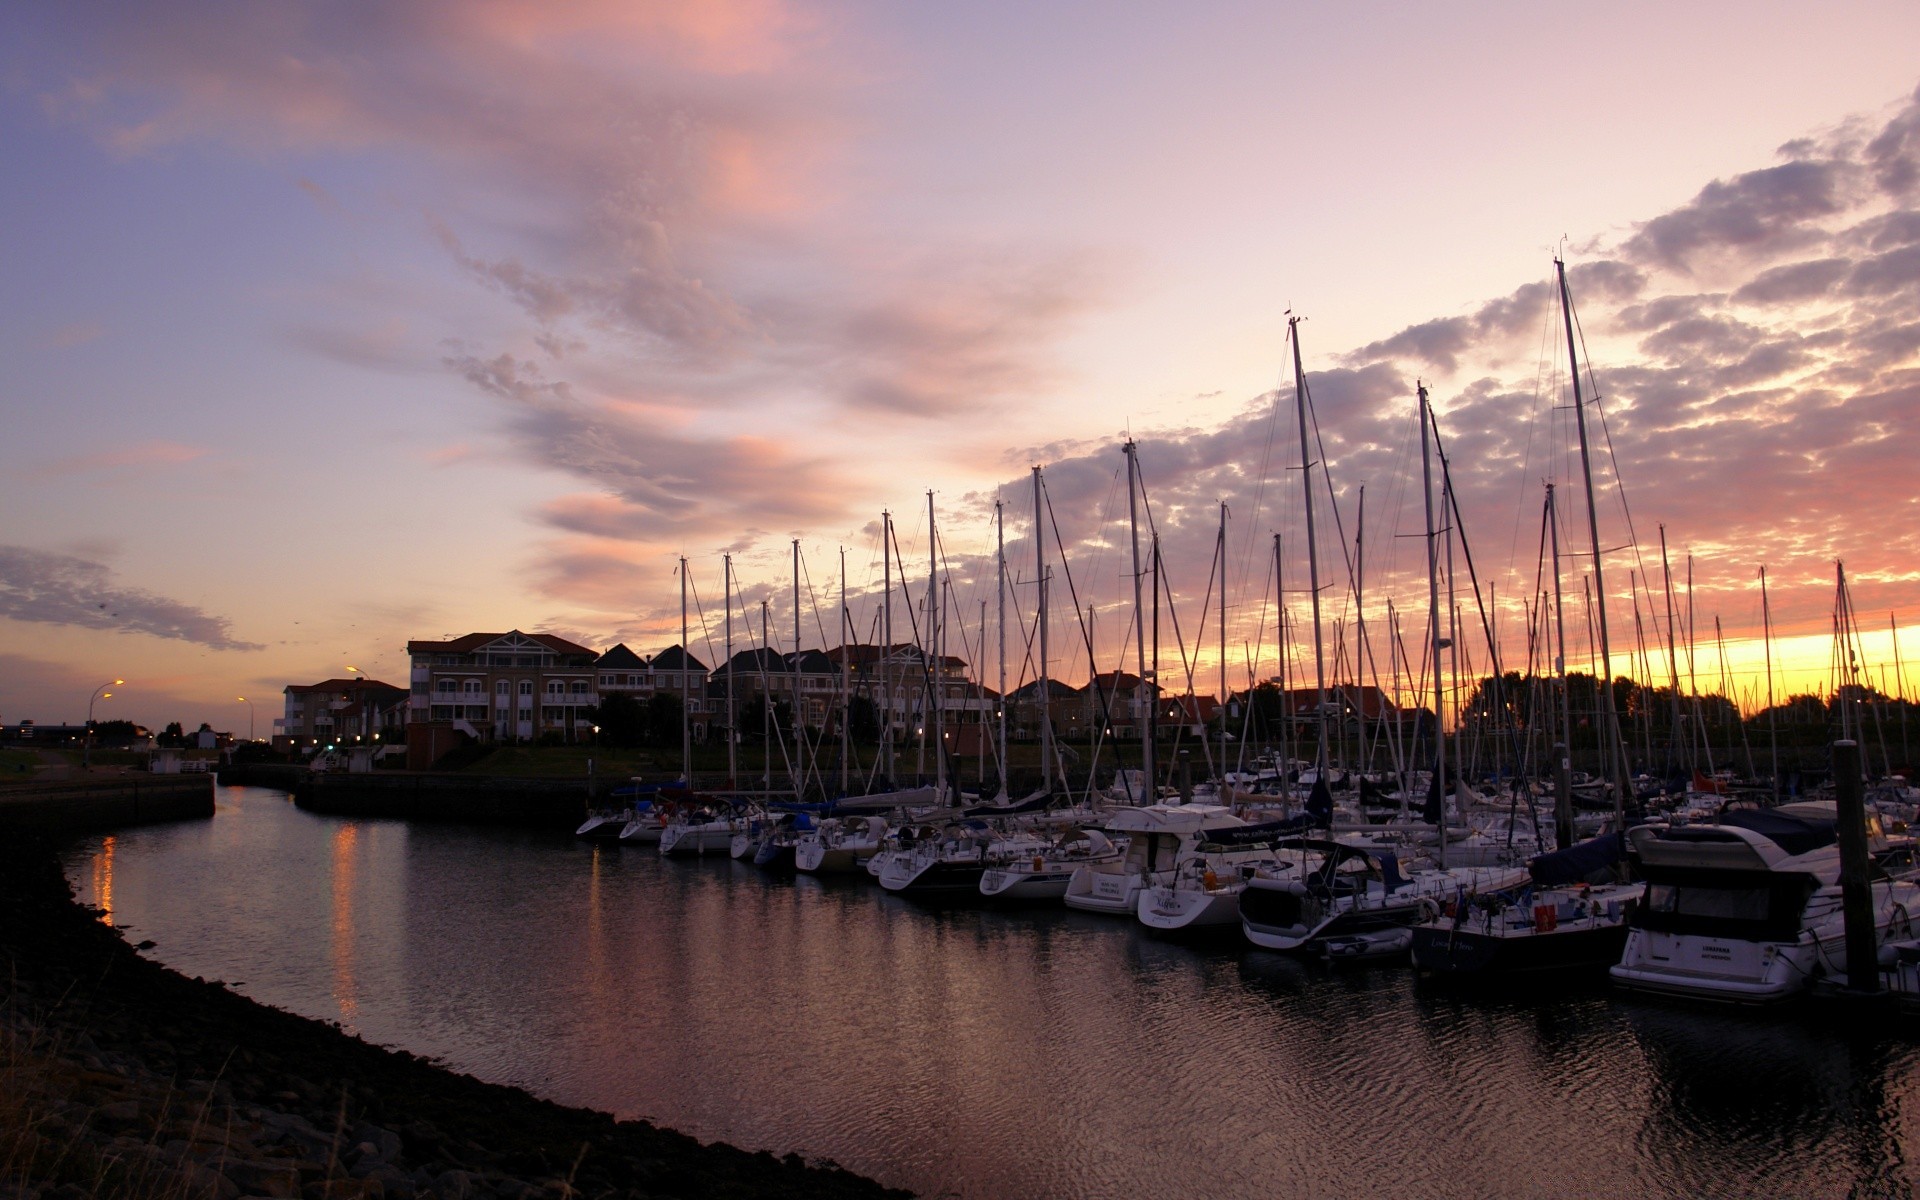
(994, 1054)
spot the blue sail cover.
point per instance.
(1578, 862)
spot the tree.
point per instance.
(623, 721)
(663, 720)
(172, 735)
(863, 719)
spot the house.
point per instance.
(339, 710)
(504, 686)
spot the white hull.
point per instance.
(643, 830)
(1182, 909)
(691, 841)
(1004, 883)
(1116, 893)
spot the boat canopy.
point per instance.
(1579, 862)
(1795, 833)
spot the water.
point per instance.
(979, 1054)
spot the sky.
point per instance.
(332, 326)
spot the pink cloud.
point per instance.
(146, 454)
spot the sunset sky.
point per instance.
(334, 325)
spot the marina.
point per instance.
(981, 1052)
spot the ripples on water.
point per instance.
(982, 1054)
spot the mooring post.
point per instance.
(1562, 797)
(1856, 893)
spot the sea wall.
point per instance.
(63, 808)
(532, 803)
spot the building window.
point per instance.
(579, 687)
(443, 712)
(472, 687)
(526, 687)
(502, 688)
(552, 716)
(443, 685)
(556, 688)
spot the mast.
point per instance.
(886, 650)
(1000, 591)
(1044, 684)
(1563, 800)
(1139, 622)
(846, 677)
(1673, 654)
(1313, 559)
(733, 713)
(934, 614)
(793, 686)
(1610, 717)
(1221, 778)
(1436, 642)
(686, 673)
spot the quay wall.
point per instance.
(480, 800)
(64, 808)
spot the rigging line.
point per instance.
(1073, 594)
(1606, 433)
(706, 630)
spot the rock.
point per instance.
(205, 1183)
(385, 1142)
(395, 1182)
(459, 1185)
(118, 1114)
(263, 1177)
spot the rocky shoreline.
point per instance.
(123, 1080)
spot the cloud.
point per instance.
(1764, 419)
(655, 485)
(62, 589)
(146, 454)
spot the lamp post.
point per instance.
(249, 705)
(86, 747)
(366, 726)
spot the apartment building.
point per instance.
(505, 686)
(335, 710)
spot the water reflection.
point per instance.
(101, 878)
(983, 1054)
(346, 993)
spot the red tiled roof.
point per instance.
(473, 641)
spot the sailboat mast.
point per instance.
(1313, 558)
(686, 675)
(1436, 641)
(1221, 778)
(886, 648)
(1044, 685)
(1000, 590)
(846, 677)
(1139, 624)
(1563, 801)
(799, 726)
(733, 713)
(1610, 716)
(933, 645)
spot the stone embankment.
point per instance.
(420, 796)
(104, 801)
(123, 1080)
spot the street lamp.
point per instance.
(366, 724)
(86, 747)
(249, 705)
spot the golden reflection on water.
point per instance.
(103, 880)
(346, 992)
